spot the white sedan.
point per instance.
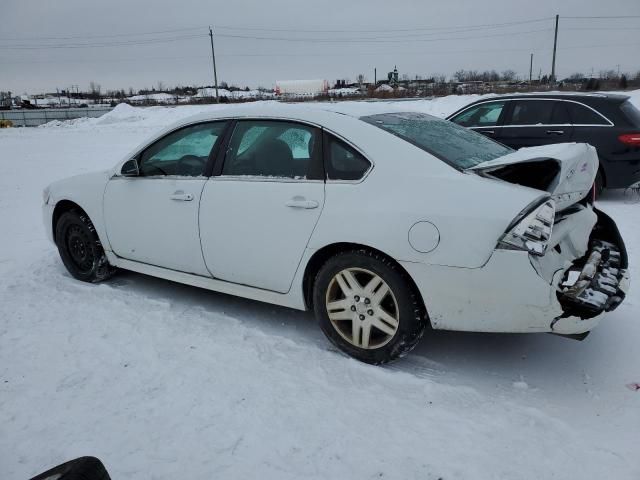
(383, 224)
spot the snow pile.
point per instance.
(159, 116)
(160, 97)
(384, 88)
(235, 94)
(344, 92)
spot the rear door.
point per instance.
(533, 122)
(259, 211)
(485, 118)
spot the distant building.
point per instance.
(392, 77)
(301, 88)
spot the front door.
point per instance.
(153, 217)
(257, 216)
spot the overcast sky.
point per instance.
(138, 43)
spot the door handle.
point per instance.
(181, 196)
(301, 202)
(555, 132)
(488, 132)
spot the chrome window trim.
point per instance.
(610, 123)
(257, 178)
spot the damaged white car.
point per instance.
(383, 224)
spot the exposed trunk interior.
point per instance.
(537, 174)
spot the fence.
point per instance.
(33, 118)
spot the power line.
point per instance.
(382, 30)
(101, 44)
(112, 35)
(601, 28)
(377, 39)
(285, 39)
(601, 16)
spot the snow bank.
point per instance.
(159, 116)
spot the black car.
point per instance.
(609, 122)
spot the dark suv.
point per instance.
(608, 122)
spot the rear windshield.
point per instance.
(631, 112)
(451, 143)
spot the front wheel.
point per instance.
(367, 307)
(80, 248)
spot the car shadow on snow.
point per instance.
(506, 356)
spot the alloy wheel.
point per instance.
(362, 308)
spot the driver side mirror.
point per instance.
(130, 168)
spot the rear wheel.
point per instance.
(367, 307)
(80, 248)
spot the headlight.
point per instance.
(531, 232)
(45, 195)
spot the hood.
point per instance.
(565, 170)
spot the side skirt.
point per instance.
(285, 300)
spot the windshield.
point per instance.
(451, 143)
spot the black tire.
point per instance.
(83, 468)
(412, 318)
(80, 248)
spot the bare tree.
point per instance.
(608, 75)
(94, 89)
(160, 86)
(361, 79)
(508, 75)
(439, 78)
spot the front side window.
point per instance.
(344, 162)
(273, 148)
(459, 147)
(182, 153)
(483, 115)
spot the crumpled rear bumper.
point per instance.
(518, 292)
(597, 285)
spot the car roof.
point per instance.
(317, 113)
(582, 96)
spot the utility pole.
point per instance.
(555, 46)
(213, 58)
(531, 69)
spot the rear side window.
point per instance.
(631, 112)
(581, 115)
(343, 162)
(532, 112)
(483, 115)
(459, 147)
(267, 148)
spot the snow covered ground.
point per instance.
(164, 381)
